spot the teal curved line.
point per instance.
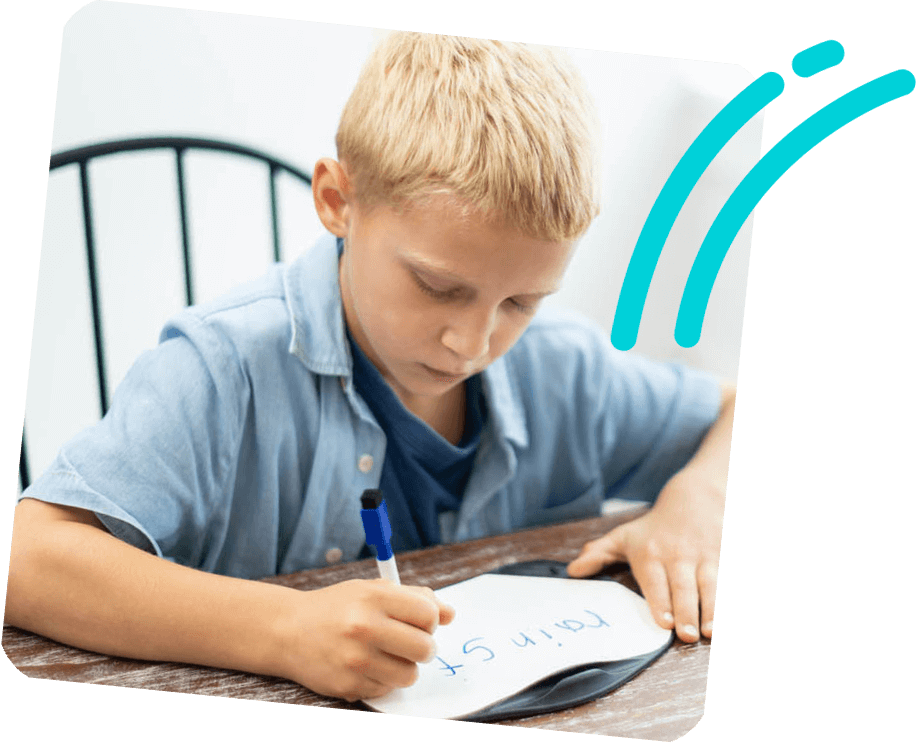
(734, 115)
(758, 181)
(818, 58)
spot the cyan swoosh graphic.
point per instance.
(758, 181)
(736, 113)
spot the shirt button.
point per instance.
(365, 463)
(333, 555)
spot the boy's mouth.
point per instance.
(441, 374)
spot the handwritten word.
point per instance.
(485, 653)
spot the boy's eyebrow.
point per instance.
(424, 264)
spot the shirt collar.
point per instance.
(315, 307)
(318, 336)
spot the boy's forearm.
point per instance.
(710, 461)
(77, 584)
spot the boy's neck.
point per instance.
(444, 414)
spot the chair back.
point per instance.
(81, 157)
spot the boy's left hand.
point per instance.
(673, 551)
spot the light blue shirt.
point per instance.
(239, 446)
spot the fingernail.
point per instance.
(707, 627)
(668, 617)
(690, 630)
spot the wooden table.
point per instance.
(663, 702)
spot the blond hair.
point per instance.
(506, 129)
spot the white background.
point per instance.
(131, 70)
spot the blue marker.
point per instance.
(378, 532)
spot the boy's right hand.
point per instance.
(360, 639)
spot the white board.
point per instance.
(510, 632)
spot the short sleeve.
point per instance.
(652, 420)
(155, 469)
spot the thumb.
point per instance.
(597, 554)
(446, 612)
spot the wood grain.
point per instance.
(662, 703)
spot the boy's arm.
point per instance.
(74, 582)
(711, 458)
(673, 550)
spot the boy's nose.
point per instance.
(468, 336)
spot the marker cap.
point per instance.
(375, 522)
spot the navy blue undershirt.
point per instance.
(423, 474)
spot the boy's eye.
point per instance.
(523, 307)
(440, 294)
(448, 294)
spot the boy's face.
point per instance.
(432, 298)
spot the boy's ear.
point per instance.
(333, 196)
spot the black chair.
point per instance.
(81, 156)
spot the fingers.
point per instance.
(364, 638)
(384, 635)
(369, 689)
(381, 668)
(405, 626)
(670, 587)
(446, 612)
(707, 575)
(677, 594)
(596, 554)
(418, 606)
(685, 600)
(653, 581)
(365, 673)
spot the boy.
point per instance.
(400, 352)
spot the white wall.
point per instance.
(279, 86)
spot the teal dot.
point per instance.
(817, 58)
